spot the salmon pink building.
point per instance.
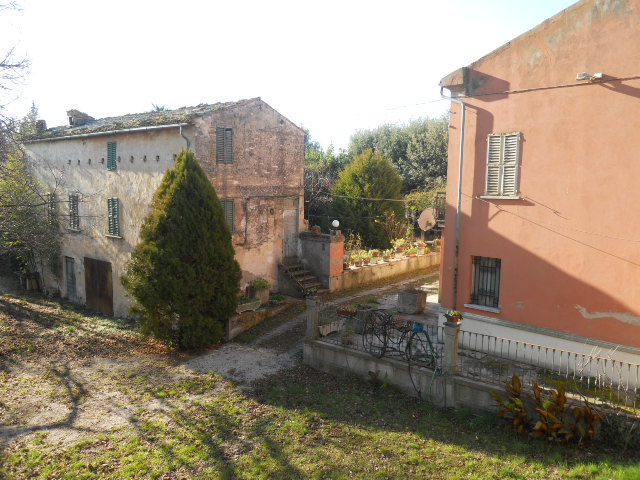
(542, 236)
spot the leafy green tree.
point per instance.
(364, 194)
(321, 170)
(29, 228)
(182, 275)
(418, 150)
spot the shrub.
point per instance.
(182, 275)
(547, 416)
(260, 283)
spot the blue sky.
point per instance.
(333, 67)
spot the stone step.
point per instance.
(306, 278)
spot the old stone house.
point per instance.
(103, 173)
(541, 242)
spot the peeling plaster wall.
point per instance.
(265, 179)
(132, 182)
(572, 238)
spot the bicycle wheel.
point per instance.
(420, 350)
(374, 337)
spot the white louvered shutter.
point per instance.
(511, 150)
(503, 152)
(494, 154)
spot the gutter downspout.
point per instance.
(459, 201)
(185, 138)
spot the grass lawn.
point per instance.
(84, 396)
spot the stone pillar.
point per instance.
(451, 336)
(313, 304)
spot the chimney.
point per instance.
(78, 118)
(41, 126)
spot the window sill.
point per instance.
(73, 230)
(482, 307)
(501, 197)
(113, 236)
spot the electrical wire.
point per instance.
(546, 224)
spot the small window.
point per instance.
(503, 153)
(74, 216)
(224, 145)
(486, 282)
(113, 205)
(229, 213)
(52, 208)
(111, 155)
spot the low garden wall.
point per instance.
(356, 276)
(442, 390)
(245, 320)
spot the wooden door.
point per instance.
(70, 275)
(290, 234)
(98, 285)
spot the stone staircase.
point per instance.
(305, 280)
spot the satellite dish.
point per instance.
(427, 220)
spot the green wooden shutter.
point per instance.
(52, 207)
(228, 145)
(111, 155)
(229, 213)
(220, 144)
(224, 145)
(74, 216)
(113, 206)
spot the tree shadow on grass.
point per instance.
(349, 400)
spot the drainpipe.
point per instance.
(186, 139)
(459, 201)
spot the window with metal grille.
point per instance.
(52, 208)
(503, 153)
(229, 212)
(224, 145)
(111, 155)
(486, 282)
(74, 216)
(113, 206)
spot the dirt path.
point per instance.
(281, 348)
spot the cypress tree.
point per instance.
(182, 275)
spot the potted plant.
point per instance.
(412, 251)
(356, 259)
(366, 258)
(375, 256)
(453, 316)
(438, 242)
(347, 310)
(386, 254)
(421, 246)
(259, 288)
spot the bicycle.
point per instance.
(385, 333)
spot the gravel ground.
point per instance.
(281, 348)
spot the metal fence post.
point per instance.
(451, 336)
(312, 317)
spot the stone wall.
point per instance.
(371, 273)
(323, 254)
